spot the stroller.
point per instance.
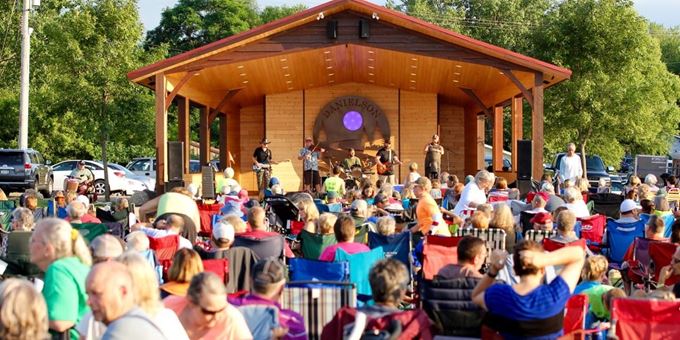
(281, 213)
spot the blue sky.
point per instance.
(661, 11)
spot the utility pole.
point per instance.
(25, 79)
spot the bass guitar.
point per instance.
(258, 167)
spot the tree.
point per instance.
(669, 39)
(621, 96)
(194, 23)
(271, 13)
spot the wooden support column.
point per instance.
(204, 136)
(224, 132)
(474, 140)
(497, 155)
(517, 133)
(184, 129)
(161, 133)
(537, 125)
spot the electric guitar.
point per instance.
(258, 167)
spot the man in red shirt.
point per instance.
(258, 232)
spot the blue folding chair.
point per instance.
(668, 221)
(397, 246)
(313, 270)
(359, 266)
(322, 207)
(620, 236)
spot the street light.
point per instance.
(25, 63)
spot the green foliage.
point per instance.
(669, 39)
(271, 13)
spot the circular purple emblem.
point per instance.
(352, 120)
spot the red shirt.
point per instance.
(87, 218)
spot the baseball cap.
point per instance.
(541, 218)
(629, 205)
(267, 272)
(274, 181)
(265, 141)
(106, 246)
(223, 230)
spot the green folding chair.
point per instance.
(90, 231)
(312, 245)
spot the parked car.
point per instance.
(507, 166)
(595, 169)
(117, 180)
(131, 175)
(25, 169)
(146, 167)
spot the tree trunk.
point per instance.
(583, 160)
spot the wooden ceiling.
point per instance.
(348, 63)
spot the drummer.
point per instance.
(352, 162)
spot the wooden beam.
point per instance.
(224, 131)
(175, 90)
(471, 150)
(161, 132)
(527, 95)
(537, 125)
(204, 136)
(517, 133)
(184, 129)
(224, 103)
(470, 93)
(497, 154)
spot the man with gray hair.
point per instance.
(570, 165)
(22, 219)
(77, 213)
(553, 201)
(474, 192)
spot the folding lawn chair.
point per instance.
(575, 311)
(219, 267)
(270, 247)
(451, 316)
(359, 266)
(397, 246)
(524, 221)
(206, 213)
(438, 252)
(165, 249)
(317, 303)
(539, 235)
(645, 319)
(551, 245)
(89, 231)
(607, 204)
(619, 237)
(312, 245)
(593, 230)
(313, 270)
(494, 238)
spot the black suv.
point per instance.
(25, 169)
(596, 169)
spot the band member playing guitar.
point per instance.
(262, 165)
(385, 159)
(309, 155)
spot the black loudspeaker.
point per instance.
(207, 182)
(524, 187)
(175, 161)
(363, 29)
(169, 185)
(524, 158)
(332, 29)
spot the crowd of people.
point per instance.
(72, 285)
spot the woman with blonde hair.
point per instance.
(23, 313)
(633, 183)
(185, 265)
(502, 219)
(308, 211)
(59, 250)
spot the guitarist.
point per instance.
(262, 161)
(309, 155)
(385, 160)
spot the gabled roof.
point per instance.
(396, 18)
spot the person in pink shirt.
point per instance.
(344, 230)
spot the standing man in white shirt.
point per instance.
(570, 166)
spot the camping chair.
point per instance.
(361, 234)
(318, 303)
(396, 245)
(122, 217)
(575, 311)
(165, 249)
(90, 231)
(219, 267)
(524, 221)
(661, 254)
(322, 207)
(607, 204)
(8, 205)
(438, 252)
(18, 255)
(494, 238)
(593, 230)
(269, 247)
(359, 266)
(313, 270)
(241, 261)
(649, 256)
(539, 235)
(620, 236)
(312, 245)
(206, 213)
(645, 319)
(451, 316)
(551, 245)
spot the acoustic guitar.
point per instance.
(384, 168)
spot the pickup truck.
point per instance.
(595, 169)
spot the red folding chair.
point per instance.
(165, 249)
(551, 245)
(661, 254)
(592, 230)
(219, 267)
(439, 251)
(206, 213)
(575, 313)
(645, 319)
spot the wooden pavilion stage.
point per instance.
(350, 73)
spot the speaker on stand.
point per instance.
(175, 161)
(524, 165)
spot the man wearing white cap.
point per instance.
(629, 212)
(222, 237)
